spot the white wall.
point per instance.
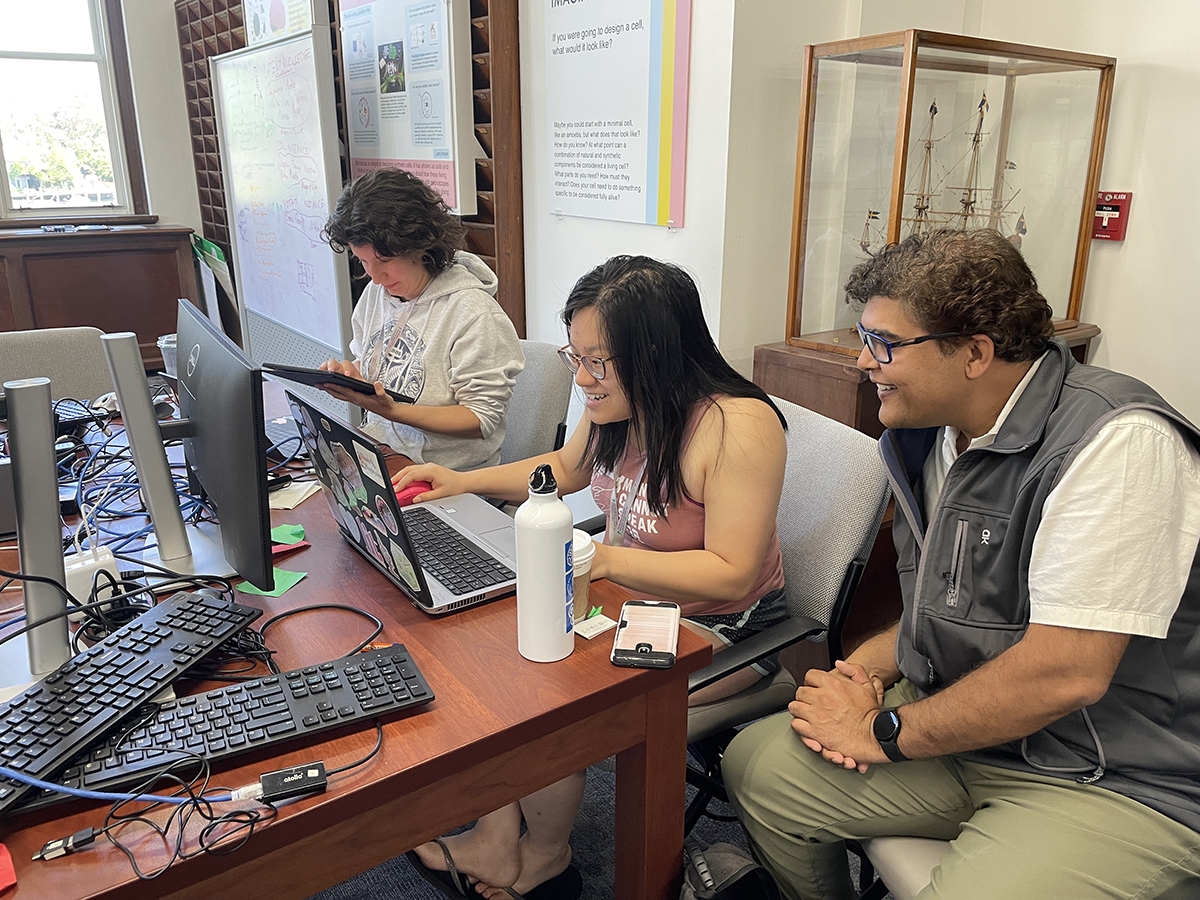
(768, 40)
(162, 111)
(558, 251)
(1138, 291)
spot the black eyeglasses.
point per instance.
(881, 348)
(595, 365)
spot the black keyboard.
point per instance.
(248, 716)
(86, 697)
(454, 560)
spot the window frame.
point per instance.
(113, 53)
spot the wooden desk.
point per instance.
(500, 728)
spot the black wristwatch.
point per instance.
(887, 732)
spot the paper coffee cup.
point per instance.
(582, 551)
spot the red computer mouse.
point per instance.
(405, 495)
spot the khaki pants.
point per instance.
(1016, 836)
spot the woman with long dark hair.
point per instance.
(686, 457)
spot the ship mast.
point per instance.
(968, 199)
(865, 240)
(923, 196)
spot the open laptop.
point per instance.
(444, 555)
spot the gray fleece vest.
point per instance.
(965, 583)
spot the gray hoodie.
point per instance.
(451, 345)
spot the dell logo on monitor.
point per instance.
(193, 358)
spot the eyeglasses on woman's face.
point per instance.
(596, 366)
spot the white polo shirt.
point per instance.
(1119, 531)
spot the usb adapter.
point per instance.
(285, 783)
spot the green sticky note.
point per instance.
(287, 534)
(284, 581)
(596, 610)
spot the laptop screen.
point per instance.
(360, 495)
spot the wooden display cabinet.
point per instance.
(907, 132)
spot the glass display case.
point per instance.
(907, 132)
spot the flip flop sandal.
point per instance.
(452, 883)
(566, 885)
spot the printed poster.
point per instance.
(617, 91)
(399, 70)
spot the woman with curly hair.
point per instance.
(426, 327)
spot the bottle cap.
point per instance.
(541, 481)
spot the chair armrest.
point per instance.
(593, 526)
(751, 650)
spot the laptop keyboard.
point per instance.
(458, 563)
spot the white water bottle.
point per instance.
(545, 595)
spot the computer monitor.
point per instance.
(220, 394)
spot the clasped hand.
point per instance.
(834, 712)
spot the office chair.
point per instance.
(537, 412)
(834, 495)
(72, 358)
(902, 865)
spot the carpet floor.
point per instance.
(592, 842)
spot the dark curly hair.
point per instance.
(965, 282)
(397, 214)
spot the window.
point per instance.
(68, 143)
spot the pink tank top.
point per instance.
(682, 528)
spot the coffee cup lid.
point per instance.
(583, 547)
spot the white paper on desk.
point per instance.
(292, 495)
(593, 626)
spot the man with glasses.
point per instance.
(1039, 701)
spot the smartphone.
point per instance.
(647, 635)
(318, 377)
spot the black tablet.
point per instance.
(318, 377)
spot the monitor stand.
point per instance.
(27, 657)
(207, 556)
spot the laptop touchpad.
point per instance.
(503, 539)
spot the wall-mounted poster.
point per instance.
(270, 19)
(406, 68)
(617, 97)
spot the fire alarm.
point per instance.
(1112, 215)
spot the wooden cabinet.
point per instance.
(126, 278)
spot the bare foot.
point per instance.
(479, 856)
(536, 867)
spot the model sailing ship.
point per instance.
(971, 197)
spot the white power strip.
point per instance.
(81, 568)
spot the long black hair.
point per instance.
(665, 360)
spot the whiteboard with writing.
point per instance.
(276, 125)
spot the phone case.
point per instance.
(647, 634)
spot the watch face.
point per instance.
(886, 725)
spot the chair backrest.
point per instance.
(537, 412)
(72, 358)
(834, 495)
